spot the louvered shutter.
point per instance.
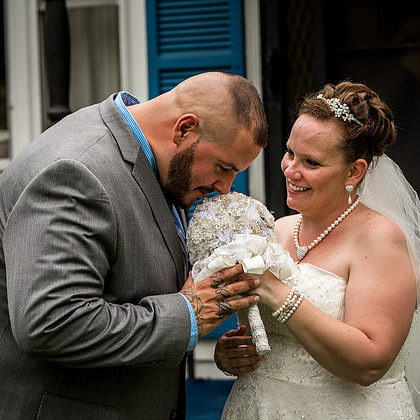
(186, 37)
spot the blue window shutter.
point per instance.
(187, 37)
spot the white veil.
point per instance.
(386, 190)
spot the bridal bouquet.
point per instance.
(228, 229)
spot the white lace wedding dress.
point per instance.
(290, 384)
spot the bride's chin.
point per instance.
(294, 206)
(291, 203)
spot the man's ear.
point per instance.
(357, 171)
(185, 125)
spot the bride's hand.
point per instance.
(235, 352)
(271, 291)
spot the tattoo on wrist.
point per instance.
(196, 304)
(200, 320)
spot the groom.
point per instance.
(95, 318)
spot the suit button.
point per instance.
(174, 414)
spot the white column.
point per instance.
(256, 180)
(133, 48)
(22, 72)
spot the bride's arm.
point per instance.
(379, 305)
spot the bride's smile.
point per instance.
(314, 168)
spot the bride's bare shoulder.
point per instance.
(377, 228)
(285, 224)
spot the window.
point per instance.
(94, 69)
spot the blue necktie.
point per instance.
(181, 237)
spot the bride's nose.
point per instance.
(291, 170)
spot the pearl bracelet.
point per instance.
(286, 302)
(284, 317)
(292, 302)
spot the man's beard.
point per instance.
(179, 177)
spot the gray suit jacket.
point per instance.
(91, 326)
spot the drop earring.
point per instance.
(349, 189)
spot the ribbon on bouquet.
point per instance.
(256, 254)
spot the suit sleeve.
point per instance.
(59, 244)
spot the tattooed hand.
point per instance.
(211, 297)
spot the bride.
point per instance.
(340, 331)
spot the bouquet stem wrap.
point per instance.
(256, 265)
(259, 336)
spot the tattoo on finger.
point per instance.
(223, 309)
(222, 293)
(216, 280)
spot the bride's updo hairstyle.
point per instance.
(377, 132)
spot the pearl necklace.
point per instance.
(301, 251)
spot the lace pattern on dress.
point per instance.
(290, 384)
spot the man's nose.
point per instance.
(222, 186)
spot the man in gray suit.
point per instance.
(95, 318)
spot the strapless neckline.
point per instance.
(322, 270)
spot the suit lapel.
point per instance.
(144, 176)
(146, 180)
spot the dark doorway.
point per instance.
(309, 42)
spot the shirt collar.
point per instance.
(122, 100)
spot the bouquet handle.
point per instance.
(259, 336)
(256, 325)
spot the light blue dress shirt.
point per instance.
(122, 100)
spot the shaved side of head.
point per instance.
(224, 104)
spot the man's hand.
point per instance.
(210, 298)
(235, 353)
